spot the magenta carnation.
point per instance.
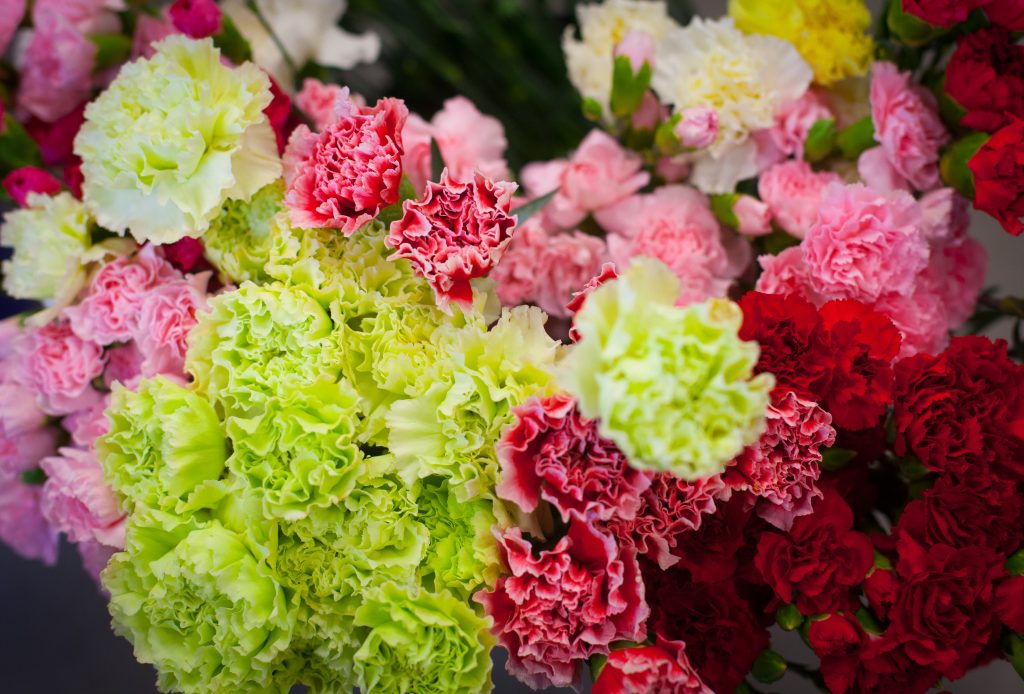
(168, 314)
(78, 502)
(197, 19)
(29, 179)
(551, 452)
(456, 233)
(11, 12)
(22, 526)
(343, 177)
(60, 368)
(561, 606)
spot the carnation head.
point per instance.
(239, 238)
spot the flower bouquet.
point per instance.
(322, 397)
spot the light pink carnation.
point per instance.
(793, 120)
(95, 557)
(11, 12)
(455, 234)
(793, 192)
(110, 310)
(907, 124)
(957, 271)
(877, 172)
(148, 30)
(865, 244)
(22, 526)
(638, 47)
(56, 70)
(319, 101)
(168, 314)
(77, 501)
(786, 273)
(599, 174)
(782, 467)
(85, 426)
(944, 216)
(86, 16)
(546, 269)
(921, 317)
(697, 127)
(124, 363)
(60, 368)
(754, 217)
(675, 225)
(416, 162)
(25, 438)
(343, 177)
(649, 113)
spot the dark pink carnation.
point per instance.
(659, 669)
(185, 254)
(561, 606)
(77, 501)
(168, 313)
(60, 368)
(196, 19)
(57, 69)
(553, 453)
(456, 233)
(29, 179)
(344, 176)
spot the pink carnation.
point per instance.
(876, 171)
(124, 363)
(86, 16)
(553, 453)
(786, 273)
(944, 216)
(546, 269)
(148, 30)
(659, 669)
(60, 368)
(22, 526)
(168, 314)
(56, 71)
(78, 502)
(697, 127)
(793, 192)
(343, 177)
(638, 47)
(865, 244)
(675, 225)
(110, 310)
(561, 606)
(11, 12)
(907, 124)
(754, 217)
(85, 426)
(95, 557)
(668, 508)
(793, 121)
(417, 161)
(456, 233)
(957, 272)
(197, 19)
(29, 179)
(607, 273)
(25, 438)
(599, 174)
(921, 317)
(320, 101)
(782, 467)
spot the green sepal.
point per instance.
(111, 50)
(1014, 646)
(721, 206)
(533, 207)
(820, 141)
(868, 621)
(834, 459)
(665, 138)
(17, 148)
(908, 28)
(855, 139)
(789, 617)
(628, 87)
(769, 667)
(1015, 563)
(34, 477)
(592, 110)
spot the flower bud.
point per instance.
(697, 127)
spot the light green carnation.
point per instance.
(426, 643)
(164, 442)
(49, 239)
(172, 138)
(299, 452)
(673, 387)
(239, 238)
(463, 554)
(466, 398)
(200, 605)
(257, 341)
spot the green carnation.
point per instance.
(172, 138)
(257, 341)
(466, 399)
(200, 605)
(299, 452)
(239, 238)
(164, 442)
(673, 387)
(425, 643)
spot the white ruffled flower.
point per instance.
(590, 60)
(744, 77)
(308, 29)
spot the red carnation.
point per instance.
(1005, 13)
(941, 13)
(998, 168)
(662, 668)
(186, 254)
(1010, 602)
(710, 553)
(819, 563)
(563, 605)
(456, 233)
(986, 77)
(881, 588)
(962, 411)
(608, 272)
(553, 453)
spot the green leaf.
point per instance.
(882, 562)
(533, 207)
(769, 667)
(834, 459)
(821, 140)
(665, 138)
(34, 477)
(1015, 652)
(592, 110)
(111, 50)
(954, 163)
(1015, 564)
(855, 139)
(908, 28)
(912, 468)
(778, 241)
(868, 621)
(436, 161)
(721, 206)
(231, 43)
(789, 617)
(17, 148)
(628, 87)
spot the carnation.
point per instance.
(239, 238)
(22, 525)
(168, 313)
(56, 68)
(661, 667)
(77, 502)
(785, 273)
(670, 413)
(793, 191)
(60, 367)
(985, 77)
(217, 139)
(25, 180)
(999, 177)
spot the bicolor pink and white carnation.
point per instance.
(56, 69)
(793, 191)
(545, 269)
(599, 174)
(782, 467)
(559, 607)
(320, 101)
(456, 233)
(659, 669)
(907, 125)
(168, 313)
(60, 368)
(793, 121)
(22, 525)
(111, 307)
(344, 176)
(77, 502)
(675, 225)
(552, 453)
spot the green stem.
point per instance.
(254, 8)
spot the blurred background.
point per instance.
(505, 55)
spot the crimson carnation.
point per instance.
(456, 233)
(985, 77)
(941, 13)
(1005, 13)
(712, 552)
(561, 606)
(820, 562)
(343, 177)
(553, 453)
(608, 272)
(962, 411)
(662, 668)
(998, 168)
